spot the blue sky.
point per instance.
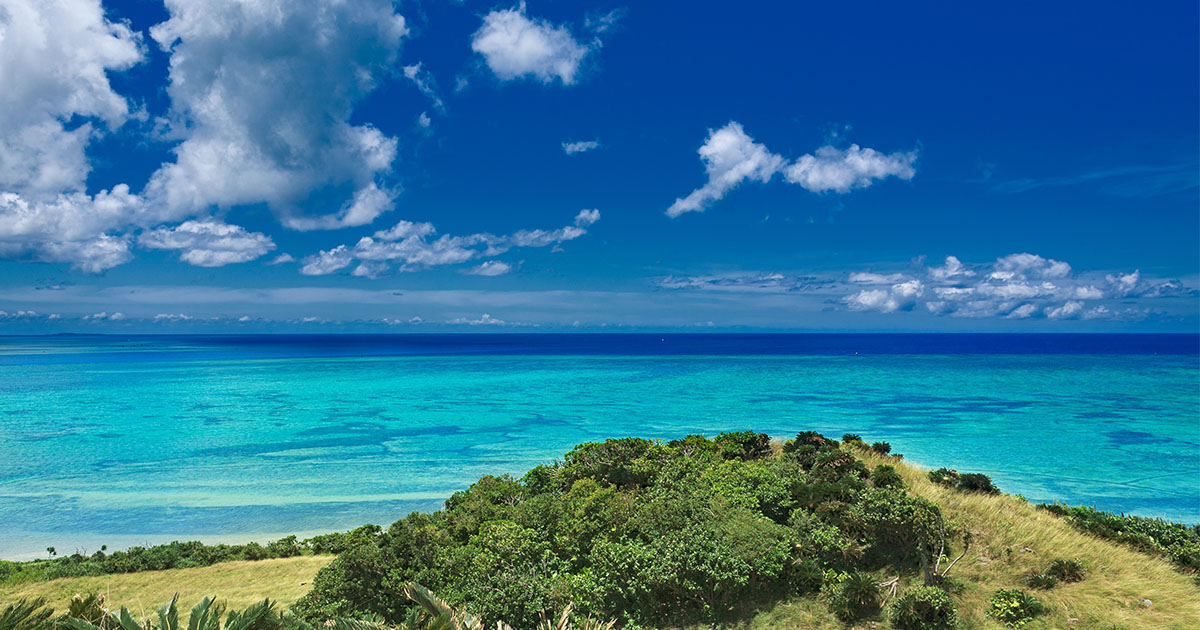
(261, 165)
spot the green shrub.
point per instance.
(1041, 581)
(923, 608)
(976, 482)
(1014, 607)
(944, 477)
(744, 445)
(881, 448)
(885, 476)
(1177, 542)
(853, 439)
(852, 596)
(1066, 570)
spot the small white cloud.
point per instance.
(900, 296)
(209, 243)
(326, 262)
(730, 157)
(952, 269)
(582, 146)
(1068, 310)
(586, 218)
(489, 268)
(1023, 311)
(484, 320)
(425, 83)
(424, 121)
(282, 258)
(866, 277)
(513, 45)
(171, 317)
(840, 171)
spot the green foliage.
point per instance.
(852, 596)
(689, 531)
(944, 477)
(744, 445)
(1041, 581)
(852, 439)
(881, 448)
(967, 482)
(1179, 543)
(923, 608)
(26, 615)
(1066, 570)
(885, 476)
(977, 482)
(177, 555)
(1014, 607)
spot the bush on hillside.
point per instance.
(1014, 607)
(881, 448)
(1178, 543)
(977, 482)
(885, 476)
(690, 531)
(923, 608)
(1066, 570)
(852, 596)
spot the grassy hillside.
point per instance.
(1012, 540)
(238, 584)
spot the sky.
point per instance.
(218, 166)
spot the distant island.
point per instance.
(735, 531)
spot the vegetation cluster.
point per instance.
(1177, 542)
(647, 533)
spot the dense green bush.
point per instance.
(852, 439)
(1014, 607)
(967, 482)
(692, 530)
(852, 596)
(923, 608)
(885, 476)
(944, 477)
(881, 448)
(1179, 543)
(977, 482)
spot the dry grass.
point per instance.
(1004, 528)
(237, 584)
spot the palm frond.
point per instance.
(26, 614)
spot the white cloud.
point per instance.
(105, 316)
(1067, 311)
(489, 268)
(484, 320)
(72, 227)
(730, 157)
(172, 317)
(262, 93)
(866, 277)
(209, 243)
(424, 120)
(282, 258)
(837, 170)
(326, 262)
(514, 45)
(900, 296)
(412, 246)
(581, 146)
(950, 270)
(1022, 266)
(54, 60)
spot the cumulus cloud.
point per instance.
(483, 320)
(731, 156)
(209, 243)
(952, 269)
(514, 45)
(54, 57)
(261, 97)
(898, 297)
(409, 246)
(749, 282)
(262, 93)
(581, 146)
(837, 170)
(1067, 311)
(489, 268)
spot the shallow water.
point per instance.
(126, 441)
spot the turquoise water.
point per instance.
(123, 445)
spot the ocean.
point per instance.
(123, 440)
